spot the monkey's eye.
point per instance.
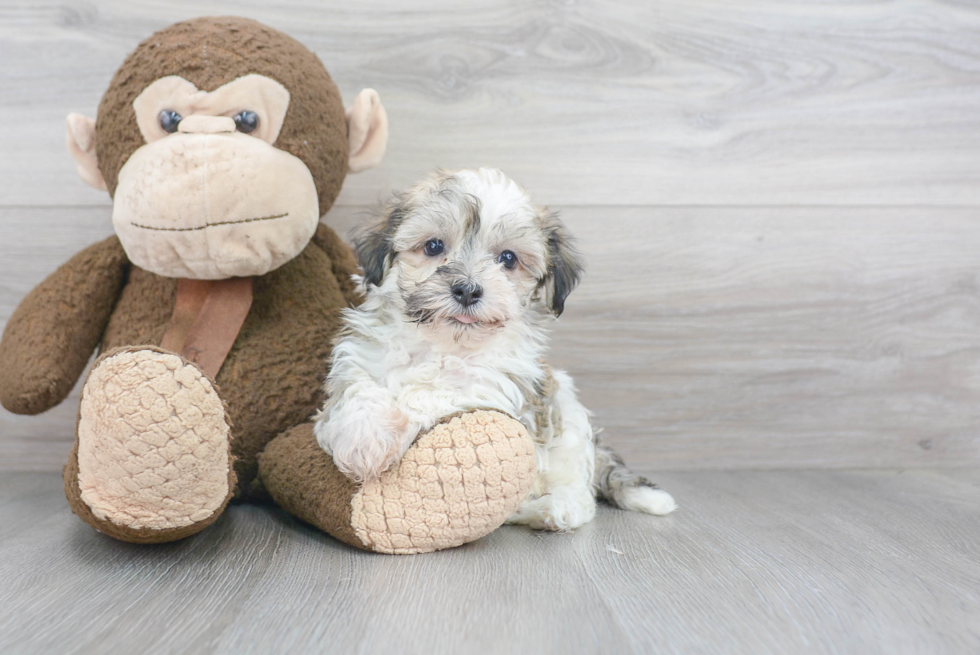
(246, 121)
(508, 259)
(434, 247)
(169, 120)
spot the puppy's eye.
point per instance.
(508, 259)
(169, 120)
(246, 121)
(434, 247)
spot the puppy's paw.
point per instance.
(367, 462)
(364, 441)
(559, 511)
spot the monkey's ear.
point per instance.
(367, 131)
(81, 145)
(565, 266)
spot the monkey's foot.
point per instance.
(457, 483)
(151, 461)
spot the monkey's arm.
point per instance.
(51, 335)
(342, 262)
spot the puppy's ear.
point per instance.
(373, 251)
(373, 246)
(565, 265)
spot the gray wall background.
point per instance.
(779, 201)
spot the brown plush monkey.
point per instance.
(222, 142)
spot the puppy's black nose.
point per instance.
(467, 293)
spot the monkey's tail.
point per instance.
(619, 486)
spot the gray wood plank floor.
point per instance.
(753, 562)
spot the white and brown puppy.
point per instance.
(461, 274)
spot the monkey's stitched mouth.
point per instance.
(201, 227)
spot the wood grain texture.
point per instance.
(778, 204)
(760, 102)
(771, 337)
(753, 562)
(778, 200)
(709, 337)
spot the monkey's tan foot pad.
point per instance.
(457, 483)
(151, 461)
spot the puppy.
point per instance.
(461, 274)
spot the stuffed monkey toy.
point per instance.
(222, 142)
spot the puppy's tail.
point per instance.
(619, 486)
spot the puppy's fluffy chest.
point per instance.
(434, 378)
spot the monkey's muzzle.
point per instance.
(214, 205)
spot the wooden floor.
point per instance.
(753, 562)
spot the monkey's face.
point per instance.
(222, 142)
(209, 196)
